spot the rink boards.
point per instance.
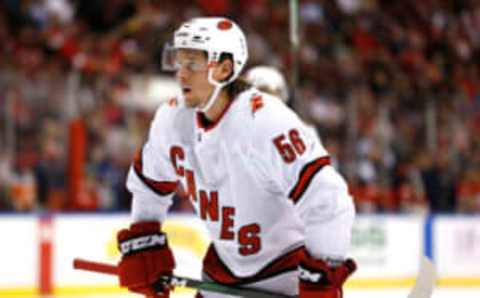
(37, 251)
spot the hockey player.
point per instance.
(278, 214)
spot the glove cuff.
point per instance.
(146, 226)
(319, 279)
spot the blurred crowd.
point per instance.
(393, 88)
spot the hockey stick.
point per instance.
(423, 287)
(426, 278)
(183, 282)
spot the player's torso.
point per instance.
(219, 174)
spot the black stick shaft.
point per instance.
(216, 287)
(182, 282)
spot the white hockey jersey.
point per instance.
(258, 178)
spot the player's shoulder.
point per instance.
(266, 114)
(170, 105)
(260, 106)
(265, 118)
(169, 114)
(167, 111)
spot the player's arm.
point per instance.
(327, 211)
(300, 168)
(152, 182)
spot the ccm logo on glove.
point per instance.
(141, 243)
(309, 276)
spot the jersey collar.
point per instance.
(208, 125)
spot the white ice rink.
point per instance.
(389, 257)
(403, 293)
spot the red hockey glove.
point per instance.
(320, 280)
(145, 257)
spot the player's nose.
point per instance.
(182, 75)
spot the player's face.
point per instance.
(192, 75)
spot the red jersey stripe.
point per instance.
(162, 188)
(214, 267)
(306, 177)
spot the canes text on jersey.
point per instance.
(207, 201)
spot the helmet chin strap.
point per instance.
(216, 90)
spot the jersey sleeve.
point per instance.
(287, 150)
(296, 165)
(151, 178)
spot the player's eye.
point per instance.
(193, 66)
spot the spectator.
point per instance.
(383, 80)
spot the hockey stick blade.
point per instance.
(179, 281)
(425, 282)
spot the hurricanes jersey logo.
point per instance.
(256, 103)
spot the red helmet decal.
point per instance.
(224, 25)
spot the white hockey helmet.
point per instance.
(268, 79)
(214, 35)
